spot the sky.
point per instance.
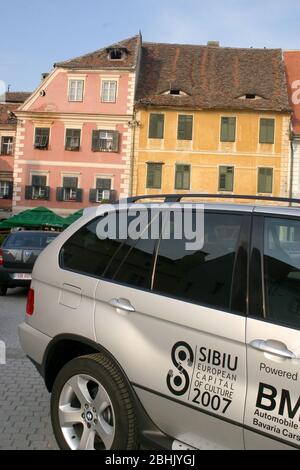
(35, 34)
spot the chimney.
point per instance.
(44, 75)
(213, 43)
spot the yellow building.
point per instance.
(212, 120)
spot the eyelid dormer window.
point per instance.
(117, 53)
(250, 96)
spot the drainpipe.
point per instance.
(134, 124)
(292, 162)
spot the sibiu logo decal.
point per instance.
(178, 381)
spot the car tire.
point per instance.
(92, 390)
(3, 291)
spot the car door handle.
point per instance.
(273, 347)
(122, 304)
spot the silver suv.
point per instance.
(153, 342)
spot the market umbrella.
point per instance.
(38, 217)
(8, 223)
(72, 218)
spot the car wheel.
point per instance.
(92, 407)
(3, 291)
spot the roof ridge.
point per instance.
(145, 43)
(57, 64)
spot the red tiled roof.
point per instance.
(6, 117)
(99, 59)
(16, 96)
(212, 77)
(292, 64)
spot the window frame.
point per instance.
(223, 139)
(74, 79)
(40, 146)
(157, 137)
(104, 81)
(261, 141)
(243, 243)
(257, 295)
(69, 147)
(220, 175)
(115, 139)
(190, 177)
(9, 145)
(258, 176)
(149, 165)
(185, 139)
(4, 184)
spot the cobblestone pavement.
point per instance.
(24, 400)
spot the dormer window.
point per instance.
(117, 53)
(250, 96)
(175, 92)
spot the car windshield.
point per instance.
(29, 240)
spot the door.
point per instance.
(174, 318)
(272, 416)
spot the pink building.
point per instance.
(75, 132)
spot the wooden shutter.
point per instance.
(79, 195)
(93, 195)
(59, 194)
(28, 193)
(228, 129)
(154, 174)
(115, 141)
(47, 192)
(226, 176)
(265, 180)
(95, 141)
(10, 189)
(156, 127)
(185, 127)
(267, 131)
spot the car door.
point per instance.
(175, 321)
(272, 417)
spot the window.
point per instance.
(182, 176)
(154, 175)
(156, 126)
(102, 184)
(267, 131)
(265, 180)
(228, 129)
(109, 91)
(70, 185)
(117, 54)
(39, 186)
(206, 276)
(5, 189)
(41, 140)
(105, 141)
(282, 270)
(73, 139)
(127, 261)
(185, 127)
(226, 176)
(7, 145)
(76, 90)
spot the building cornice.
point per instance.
(85, 117)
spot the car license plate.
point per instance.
(22, 277)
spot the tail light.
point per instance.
(30, 302)
(1, 258)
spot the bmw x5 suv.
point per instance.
(165, 341)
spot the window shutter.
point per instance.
(156, 128)
(226, 177)
(10, 190)
(267, 131)
(185, 127)
(228, 129)
(79, 195)
(113, 196)
(265, 180)
(93, 195)
(28, 193)
(154, 174)
(95, 140)
(59, 194)
(47, 192)
(115, 141)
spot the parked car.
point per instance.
(18, 254)
(146, 342)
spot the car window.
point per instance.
(29, 240)
(123, 260)
(203, 276)
(282, 270)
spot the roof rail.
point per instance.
(179, 197)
